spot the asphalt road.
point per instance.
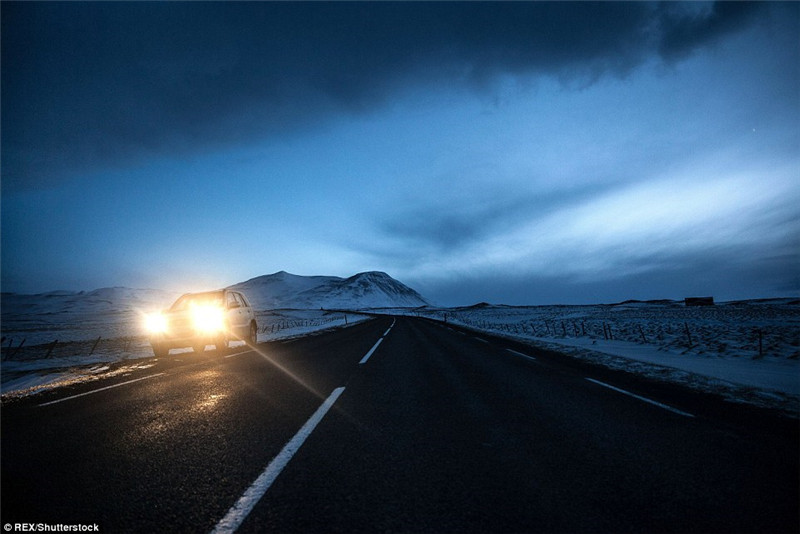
(427, 429)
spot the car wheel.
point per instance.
(252, 339)
(160, 351)
(221, 344)
(199, 348)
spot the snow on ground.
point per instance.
(24, 382)
(285, 324)
(747, 351)
(30, 370)
(66, 316)
(52, 337)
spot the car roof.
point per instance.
(201, 293)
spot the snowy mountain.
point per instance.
(104, 300)
(117, 311)
(364, 290)
(279, 290)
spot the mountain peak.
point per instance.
(371, 275)
(371, 289)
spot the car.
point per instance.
(199, 319)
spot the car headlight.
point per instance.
(155, 323)
(208, 318)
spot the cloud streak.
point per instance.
(621, 230)
(88, 86)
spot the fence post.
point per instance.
(18, 348)
(94, 346)
(641, 331)
(760, 344)
(50, 350)
(688, 334)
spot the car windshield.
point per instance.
(211, 298)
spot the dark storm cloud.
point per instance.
(93, 85)
(683, 30)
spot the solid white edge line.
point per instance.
(99, 389)
(239, 512)
(643, 399)
(365, 358)
(480, 339)
(521, 354)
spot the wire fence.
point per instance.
(17, 348)
(742, 332)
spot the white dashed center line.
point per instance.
(239, 512)
(375, 346)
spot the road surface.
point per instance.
(395, 424)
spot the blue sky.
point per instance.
(519, 153)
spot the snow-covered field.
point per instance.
(38, 366)
(74, 335)
(748, 351)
